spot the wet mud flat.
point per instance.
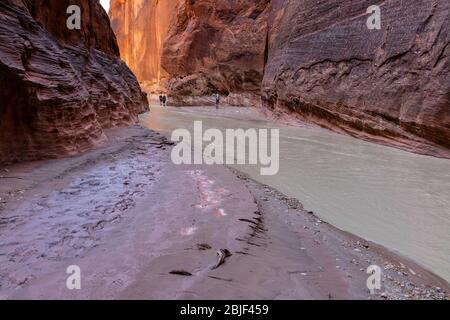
(394, 198)
(296, 254)
(140, 227)
(56, 210)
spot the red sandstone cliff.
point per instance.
(202, 47)
(390, 85)
(316, 60)
(60, 88)
(141, 26)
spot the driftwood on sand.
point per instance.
(222, 254)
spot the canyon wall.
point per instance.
(141, 26)
(216, 46)
(390, 85)
(203, 47)
(314, 61)
(60, 88)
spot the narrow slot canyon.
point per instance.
(224, 150)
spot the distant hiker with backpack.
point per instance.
(164, 100)
(160, 100)
(217, 100)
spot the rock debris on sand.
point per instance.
(181, 273)
(222, 254)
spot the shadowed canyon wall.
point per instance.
(60, 88)
(313, 60)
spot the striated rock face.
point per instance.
(60, 88)
(141, 27)
(390, 85)
(202, 47)
(216, 46)
(315, 60)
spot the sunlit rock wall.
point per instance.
(141, 26)
(195, 48)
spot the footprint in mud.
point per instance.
(203, 246)
(100, 225)
(90, 183)
(65, 222)
(117, 284)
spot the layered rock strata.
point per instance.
(60, 88)
(390, 85)
(313, 60)
(203, 46)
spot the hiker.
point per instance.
(217, 100)
(164, 100)
(160, 100)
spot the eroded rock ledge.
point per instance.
(59, 88)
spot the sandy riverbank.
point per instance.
(128, 217)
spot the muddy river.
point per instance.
(395, 198)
